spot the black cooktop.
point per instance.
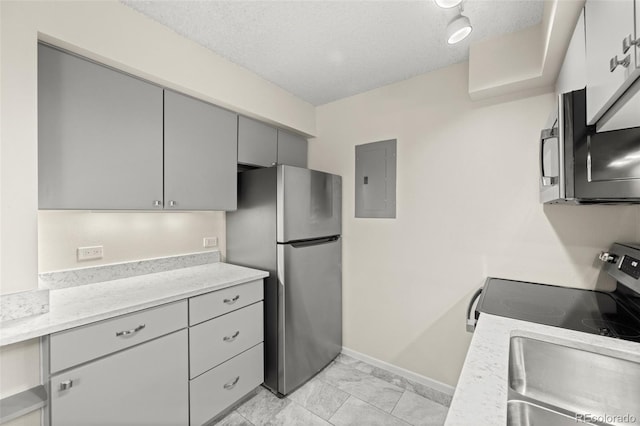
(613, 314)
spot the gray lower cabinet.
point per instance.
(200, 155)
(143, 385)
(217, 389)
(257, 143)
(150, 368)
(99, 136)
(292, 149)
(217, 340)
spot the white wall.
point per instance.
(114, 34)
(124, 235)
(467, 208)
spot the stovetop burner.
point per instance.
(576, 309)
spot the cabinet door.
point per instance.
(607, 24)
(257, 143)
(573, 74)
(99, 136)
(292, 149)
(200, 155)
(147, 384)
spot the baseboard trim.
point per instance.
(410, 375)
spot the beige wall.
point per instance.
(116, 35)
(124, 235)
(467, 208)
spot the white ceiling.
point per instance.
(326, 50)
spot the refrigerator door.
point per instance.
(310, 309)
(309, 204)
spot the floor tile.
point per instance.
(356, 412)
(294, 415)
(432, 394)
(370, 389)
(352, 362)
(410, 385)
(233, 419)
(262, 407)
(320, 398)
(419, 411)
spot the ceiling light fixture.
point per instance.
(458, 29)
(448, 4)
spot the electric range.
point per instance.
(614, 314)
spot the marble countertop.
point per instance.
(84, 304)
(481, 394)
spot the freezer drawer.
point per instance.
(309, 204)
(310, 309)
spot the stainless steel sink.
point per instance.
(552, 384)
(521, 413)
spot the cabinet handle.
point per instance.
(231, 338)
(157, 203)
(172, 203)
(232, 384)
(614, 62)
(67, 384)
(232, 300)
(129, 332)
(627, 42)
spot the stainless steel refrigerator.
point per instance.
(289, 222)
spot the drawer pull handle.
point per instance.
(232, 300)
(232, 384)
(130, 332)
(67, 384)
(231, 338)
(614, 62)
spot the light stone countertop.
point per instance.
(481, 394)
(84, 304)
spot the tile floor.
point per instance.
(347, 392)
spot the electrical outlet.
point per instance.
(88, 253)
(210, 242)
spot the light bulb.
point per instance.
(447, 4)
(458, 29)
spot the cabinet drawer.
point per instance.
(221, 387)
(145, 385)
(215, 341)
(216, 303)
(78, 345)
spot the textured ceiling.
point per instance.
(326, 50)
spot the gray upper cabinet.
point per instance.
(262, 145)
(257, 143)
(612, 56)
(292, 149)
(99, 136)
(200, 155)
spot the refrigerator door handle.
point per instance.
(314, 242)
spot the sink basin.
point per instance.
(555, 384)
(521, 413)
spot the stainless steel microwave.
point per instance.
(580, 166)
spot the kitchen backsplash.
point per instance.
(124, 236)
(93, 274)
